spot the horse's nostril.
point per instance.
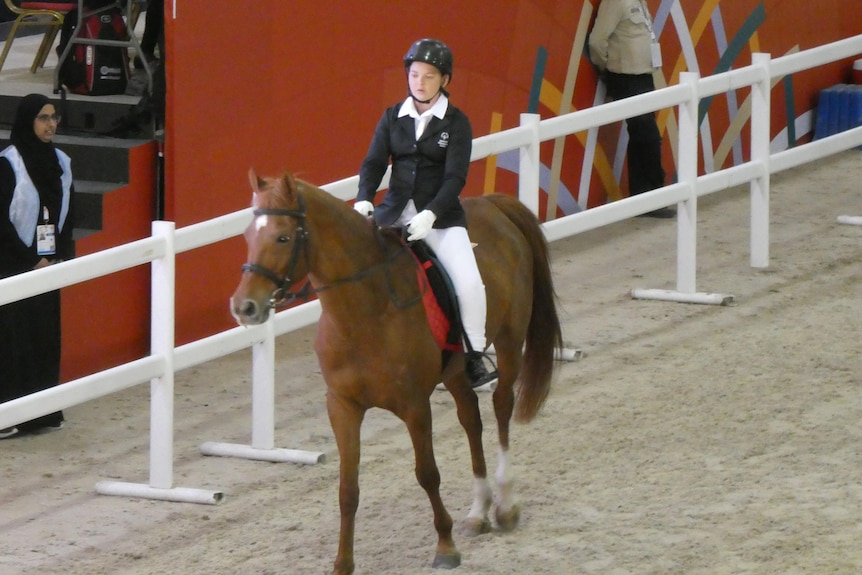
(244, 310)
(248, 309)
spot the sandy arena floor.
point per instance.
(691, 439)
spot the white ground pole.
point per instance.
(850, 220)
(560, 354)
(262, 446)
(162, 391)
(687, 210)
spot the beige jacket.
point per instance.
(620, 39)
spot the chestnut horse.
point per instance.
(374, 343)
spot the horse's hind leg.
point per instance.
(508, 511)
(467, 405)
(418, 422)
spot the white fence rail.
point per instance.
(160, 251)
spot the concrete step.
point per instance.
(99, 165)
(93, 158)
(87, 203)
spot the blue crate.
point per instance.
(824, 111)
(843, 108)
(839, 108)
(855, 108)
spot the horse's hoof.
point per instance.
(471, 527)
(449, 560)
(508, 520)
(343, 570)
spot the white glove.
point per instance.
(364, 207)
(420, 225)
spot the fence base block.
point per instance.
(560, 354)
(177, 494)
(567, 354)
(276, 455)
(850, 220)
(669, 295)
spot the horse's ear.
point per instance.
(255, 181)
(289, 181)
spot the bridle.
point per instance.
(282, 295)
(282, 284)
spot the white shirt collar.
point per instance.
(408, 108)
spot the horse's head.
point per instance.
(276, 240)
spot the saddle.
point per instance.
(438, 297)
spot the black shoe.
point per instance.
(480, 378)
(663, 213)
(49, 428)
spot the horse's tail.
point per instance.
(544, 336)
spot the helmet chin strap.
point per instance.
(428, 101)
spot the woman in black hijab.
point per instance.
(35, 231)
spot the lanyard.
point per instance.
(648, 19)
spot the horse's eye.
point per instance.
(282, 239)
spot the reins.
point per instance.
(282, 295)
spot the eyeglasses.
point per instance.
(49, 117)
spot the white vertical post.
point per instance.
(760, 128)
(263, 389)
(686, 259)
(160, 487)
(262, 446)
(528, 171)
(162, 345)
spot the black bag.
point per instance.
(98, 70)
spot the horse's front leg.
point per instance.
(345, 417)
(418, 420)
(467, 405)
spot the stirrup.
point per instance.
(487, 381)
(478, 375)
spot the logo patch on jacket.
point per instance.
(443, 142)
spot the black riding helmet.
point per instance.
(432, 52)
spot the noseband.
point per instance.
(283, 283)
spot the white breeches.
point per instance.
(453, 249)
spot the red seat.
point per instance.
(43, 14)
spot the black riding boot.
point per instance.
(477, 373)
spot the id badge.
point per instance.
(655, 52)
(45, 242)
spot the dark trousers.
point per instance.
(644, 149)
(30, 347)
(154, 28)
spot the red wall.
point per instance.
(106, 320)
(299, 86)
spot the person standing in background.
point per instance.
(154, 33)
(623, 46)
(35, 231)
